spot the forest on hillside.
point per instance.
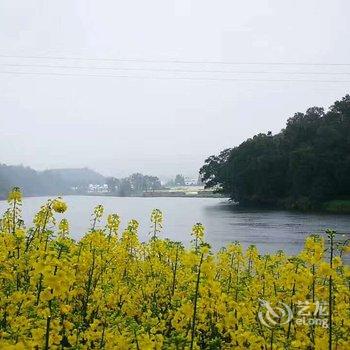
(303, 166)
(47, 182)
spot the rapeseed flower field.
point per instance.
(110, 291)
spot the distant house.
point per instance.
(190, 182)
(95, 188)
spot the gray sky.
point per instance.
(118, 120)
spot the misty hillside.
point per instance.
(48, 182)
(77, 177)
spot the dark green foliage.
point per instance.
(306, 163)
(338, 206)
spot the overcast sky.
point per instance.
(139, 105)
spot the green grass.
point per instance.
(338, 206)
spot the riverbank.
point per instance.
(174, 192)
(305, 205)
(201, 194)
(337, 206)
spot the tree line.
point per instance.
(304, 165)
(76, 181)
(134, 184)
(137, 183)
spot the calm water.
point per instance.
(268, 230)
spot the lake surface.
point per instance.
(269, 230)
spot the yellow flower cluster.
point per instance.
(59, 206)
(157, 221)
(110, 291)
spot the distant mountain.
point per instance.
(47, 182)
(77, 177)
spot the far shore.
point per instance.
(143, 195)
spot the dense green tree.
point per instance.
(151, 183)
(125, 187)
(113, 184)
(179, 180)
(307, 162)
